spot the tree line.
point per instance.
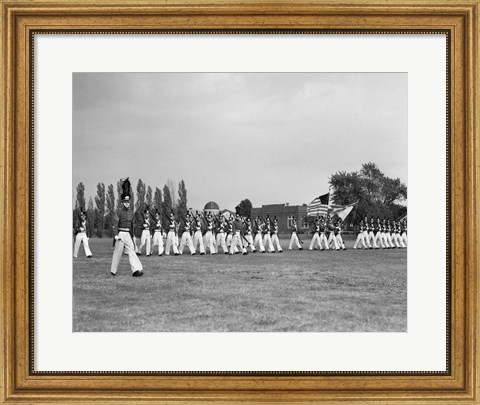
(376, 194)
(102, 217)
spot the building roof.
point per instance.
(211, 205)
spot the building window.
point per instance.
(289, 222)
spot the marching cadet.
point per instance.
(221, 234)
(316, 235)
(384, 234)
(396, 235)
(230, 233)
(158, 234)
(145, 237)
(209, 239)
(237, 242)
(323, 236)
(267, 238)
(294, 237)
(366, 231)
(80, 230)
(388, 235)
(275, 240)
(171, 236)
(197, 236)
(404, 232)
(258, 230)
(360, 236)
(371, 234)
(124, 237)
(338, 234)
(332, 237)
(248, 234)
(186, 238)
(379, 234)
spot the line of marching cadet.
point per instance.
(237, 234)
(210, 233)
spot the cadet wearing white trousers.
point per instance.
(294, 237)
(158, 235)
(258, 235)
(316, 237)
(81, 236)
(171, 237)
(360, 237)
(404, 234)
(248, 235)
(267, 239)
(197, 236)
(209, 239)
(187, 237)
(123, 239)
(378, 234)
(237, 237)
(221, 236)
(145, 237)
(366, 231)
(275, 240)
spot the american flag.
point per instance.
(319, 205)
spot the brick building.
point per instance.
(283, 212)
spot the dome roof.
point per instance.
(211, 205)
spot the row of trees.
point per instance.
(102, 216)
(377, 194)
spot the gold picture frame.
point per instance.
(22, 19)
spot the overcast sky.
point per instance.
(269, 137)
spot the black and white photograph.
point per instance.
(240, 202)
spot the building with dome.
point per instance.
(211, 207)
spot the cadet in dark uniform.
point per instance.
(124, 237)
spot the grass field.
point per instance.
(295, 291)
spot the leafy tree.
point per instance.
(245, 208)
(80, 200)
(376, 194)
(173, 192)
(166, 206)
(119, 194)
(110, 206)
(149, 197)
(139, 205)
(157, 200)
(100, 209)
(90, 217)
(182, 208)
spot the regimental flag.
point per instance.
(342, 211)
(319, 205)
